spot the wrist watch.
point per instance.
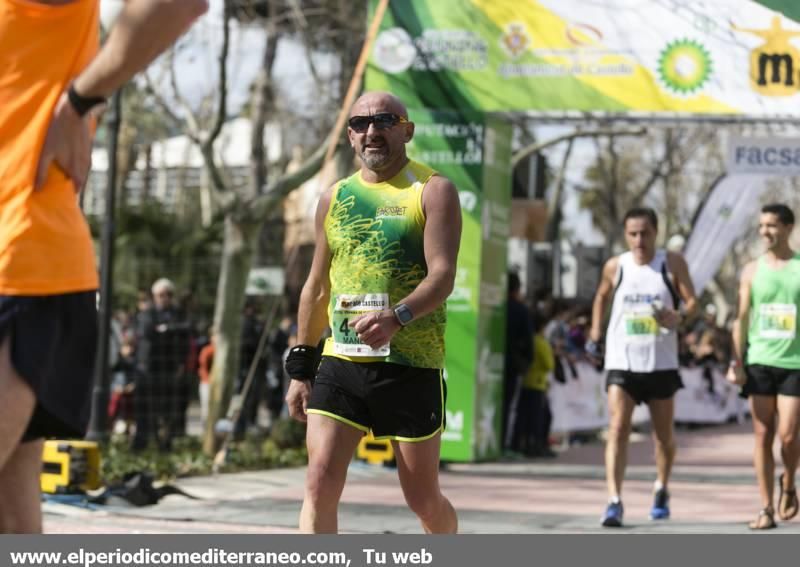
(403, 314)
(83, 105)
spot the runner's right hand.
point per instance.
(68, 145)
(736, 375)
(297, 399)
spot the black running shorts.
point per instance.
(771, 381)
(53, 343)
(646, 386)
(392, 400)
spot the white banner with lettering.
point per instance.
(764, 156)
(580, 403)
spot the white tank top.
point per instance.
(634, 341)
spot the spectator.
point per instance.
(162, 349)
(121, 409)
(252, 328)
(519, 355)
(204, 365)
(533, 426)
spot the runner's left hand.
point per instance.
(376, 329)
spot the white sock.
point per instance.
(614, 500)
(658, 486)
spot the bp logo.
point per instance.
(684, 66)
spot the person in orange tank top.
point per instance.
(50, 91)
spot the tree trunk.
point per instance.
(237, 255)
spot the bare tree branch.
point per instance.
(192, 122)
(554, 206)
(539, 146)
(222, 102)
(263, 101)
(167, 110)
(282, 186)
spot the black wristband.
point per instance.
(83, 104)
(301, 363)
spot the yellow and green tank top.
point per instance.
(375, 234)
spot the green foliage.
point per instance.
(284, 448)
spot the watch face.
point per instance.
(404, 314)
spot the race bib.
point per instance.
(640, 325)
(347, 307)
(777, 320)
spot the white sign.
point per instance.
(266, 281)
(767, 156)
(580, 404)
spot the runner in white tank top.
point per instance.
(634, 340)
(641, 359)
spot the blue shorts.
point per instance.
(53, 344)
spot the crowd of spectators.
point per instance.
(162, 358)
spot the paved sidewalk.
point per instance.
(713, 491)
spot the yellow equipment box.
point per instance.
(70, 467)
(375, 451)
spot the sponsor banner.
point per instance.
(716, 57)
(580, 404)
(766, 156)
(729, 210)
(472, 150)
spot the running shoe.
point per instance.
(660, 509)
(613, 516)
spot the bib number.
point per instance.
(778, 321)
(640, 325)
(348, 307)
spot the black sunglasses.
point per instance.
(382, 121)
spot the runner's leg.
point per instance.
(331, 445)
(418, 469)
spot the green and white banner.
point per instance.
(473, 151)
(695, 57)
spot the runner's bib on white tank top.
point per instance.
(634, 340)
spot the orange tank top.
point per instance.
(45, 244)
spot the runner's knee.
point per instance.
(425, 504)
(619, 430)
(323, 484)
(788, 438)
(765, 436)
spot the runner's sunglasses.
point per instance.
(382, 121)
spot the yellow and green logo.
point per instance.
(684, 66)
(774, 65)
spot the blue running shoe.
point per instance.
(660, 509)
(613, 516)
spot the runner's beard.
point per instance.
(375, 158)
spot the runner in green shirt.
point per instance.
(769, 296)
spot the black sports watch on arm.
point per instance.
(403, 314)
(83, 105)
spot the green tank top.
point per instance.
(774, 299)
(375, 234)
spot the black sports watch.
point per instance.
(403, 314)
(85, 104)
